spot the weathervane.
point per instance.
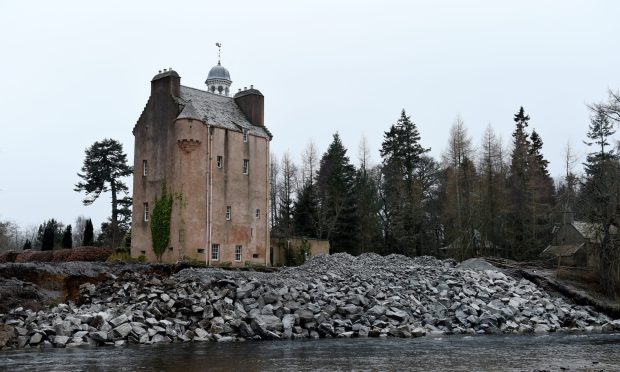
(219, 52)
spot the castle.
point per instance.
(211, 152)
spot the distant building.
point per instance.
(574, 243)
(295, 250)
(211, 151)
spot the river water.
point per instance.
(592, 352)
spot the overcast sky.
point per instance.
(77, 72)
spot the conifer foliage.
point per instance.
(104, 167)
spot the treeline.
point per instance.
(493, 199)
(53, 234)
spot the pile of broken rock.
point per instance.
(329, 296)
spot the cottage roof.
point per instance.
(562, 250)
(590, 230)
(217, 110)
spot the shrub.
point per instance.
(61, 255)
(90, 254)
(8, 256)
(35, 256)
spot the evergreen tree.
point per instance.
(600, 198)
(49, 234)
(518, 181)
(401, 190)
(104, 167)
(335, 186)
(367, 202)
(88, 234)
(67, 238)
(306, 205)
(47, 241)
(305, 212)
(541, 197)
(27, 244)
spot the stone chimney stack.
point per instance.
(252, 103)
(166, 82)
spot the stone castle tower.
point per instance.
(211, 151)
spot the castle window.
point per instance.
(146, 211)
(215, 252)
(218, 162)
(246, 166)
(201, 250)
(245, 135)
(257, 215)
(228, 213)
(238, 250)
(145, 169)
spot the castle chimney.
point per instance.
(252, 103)
(166, 82)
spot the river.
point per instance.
(593, 352)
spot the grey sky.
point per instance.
(77, 72)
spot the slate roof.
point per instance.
(217, 110)
(590, 230)
(562, 250)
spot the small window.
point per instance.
(245, 135)
(218, 162)
(257, 215)
(215, 252)
(238, 250)
(255, 255)
(143, 253)
(228, 213)
(146, 211)
(145, 169)
(200, 250)
(246, 166)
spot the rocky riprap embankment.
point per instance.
(329, 296)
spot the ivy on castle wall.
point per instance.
(160, 222)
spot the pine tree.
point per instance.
(335, 186)
(104, 167)
(27, 245)
(88, 234)
(67, 238)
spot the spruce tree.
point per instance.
(335, 185)
(401, 190)
(88, 234)
(518, 181)
(541, 199)
(67, 238)
(600, 198)
(27, 245)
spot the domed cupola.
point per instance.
(218, 81)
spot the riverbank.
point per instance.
(330, 296)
